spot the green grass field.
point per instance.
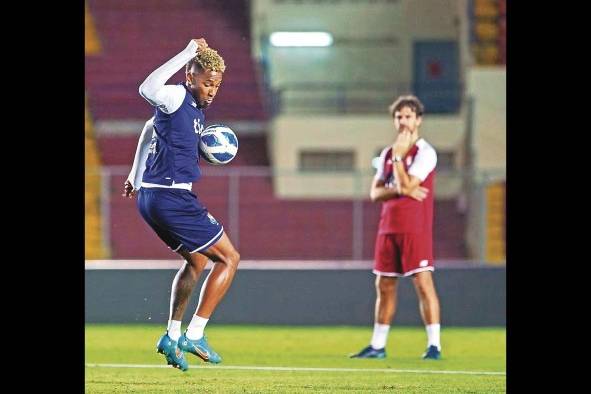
(467, 353)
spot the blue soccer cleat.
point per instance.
(174, 355)
(432, 353)
(200, 348)
(370, 352)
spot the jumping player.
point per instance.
(165, 166)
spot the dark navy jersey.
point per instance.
(173, 154)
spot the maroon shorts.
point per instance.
(402, 254)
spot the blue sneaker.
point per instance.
(432, 353)
(200, 348)
(174, 355)
(370, 352)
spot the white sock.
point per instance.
(196, 327)
(174, 329)
(433, 335)
(380, 335)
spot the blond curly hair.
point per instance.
(207, 59)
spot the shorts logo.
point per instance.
(408, 161)
(212, 219)
(424, 263)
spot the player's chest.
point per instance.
(188, 122)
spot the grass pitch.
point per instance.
(287, 359)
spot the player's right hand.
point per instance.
(201, 44)
(419, 193)
(128, 190)
(402, 143)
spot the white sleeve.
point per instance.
(141, 154)
(424, 163)
(380, 170)
(167, 97)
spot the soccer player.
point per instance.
(165, 165)
(404, 245)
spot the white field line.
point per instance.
(255, 368)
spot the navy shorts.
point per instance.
(178, 218)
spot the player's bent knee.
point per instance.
(230, 259)
(233, 259)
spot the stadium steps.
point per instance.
(92, 45)
(495, 229)
(487, 23)
(136, 37)
(93, 242)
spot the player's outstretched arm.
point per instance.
(169, 97)
(134, 180)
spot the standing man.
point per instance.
(165, 165)
(404, 245)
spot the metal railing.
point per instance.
(351, 97)
(228, 192)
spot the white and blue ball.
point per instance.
(218, 144)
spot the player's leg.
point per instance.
(159, 208)
(417, 260)
(226, 259)
(385, 308)
(427, 295)
(387, 269)
(430, 312)
(386, 299)
(182, 287)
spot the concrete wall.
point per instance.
(488, 86)
(366, 135)
(469, 297)
(376, 35)
(373, 45)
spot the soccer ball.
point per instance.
(218, 144)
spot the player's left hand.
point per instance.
(419, 193)
(128, 190)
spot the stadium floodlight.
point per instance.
(301, 39)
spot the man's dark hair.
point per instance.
(407, 101)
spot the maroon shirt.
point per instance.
(404, 214)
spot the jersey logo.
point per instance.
(197, 126)
(408, 161)
(152, 148)
(194, 104)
